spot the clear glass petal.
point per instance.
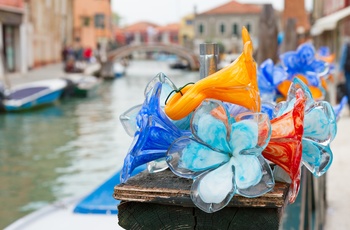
(320, 123)
(188, 157)
(211, 125)
(263, 124)
(254, 176)
(157, 165)
(316, 157)
(128, 120)
(213, 190)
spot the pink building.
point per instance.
(12, 36)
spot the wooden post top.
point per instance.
(169, 189)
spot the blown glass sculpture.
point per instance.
(223, 157)
(235, 83)
(269, 77)
(285, 146)
(153, 136)
(303, 64)
(320, 129)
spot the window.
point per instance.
(85, 21)
(189, 22)
(248, 27)
(100, 21)
(201, 29)
(235, 29)
(222, 28)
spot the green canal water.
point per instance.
(67, 149)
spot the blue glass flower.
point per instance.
(223, 157)
(128, 118)
(319, 128)
(155, 132)
(269, 77)
(339, 107)
(303, 62)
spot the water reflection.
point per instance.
(68, 149)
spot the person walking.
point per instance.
(344, 68)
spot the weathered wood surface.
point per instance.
(167, 188)
(137, 215)
(162, 201)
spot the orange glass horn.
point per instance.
(236, 83)
(285, 146)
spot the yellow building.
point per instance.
(186, 32)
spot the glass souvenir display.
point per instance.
(223, 157)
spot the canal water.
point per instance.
(67, 149)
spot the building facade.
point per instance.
(92, 23)
(48, 28)
(331, 25)
(13, 37)
(223, 25)
(186, 31)
(168, 34)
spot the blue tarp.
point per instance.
(101, 200)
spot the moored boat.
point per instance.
(81, 85)
(31, 95)
(97, 210)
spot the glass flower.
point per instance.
(339, 107)
(128, 118)
(303, 64)
(154, 134)
(223, 157)
(269, 77)
(285, 146)
(320, 129)
(235, 83)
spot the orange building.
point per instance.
(92, 22)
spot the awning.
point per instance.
(10, 18)
(329, 22)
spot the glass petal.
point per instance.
(320, 123)
(317, 158)
(210, 124)
(263, 125)
(244, 136)
(253, 176)
(188, 157)
(128, 120)
(213, 190)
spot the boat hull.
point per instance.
(40, 101)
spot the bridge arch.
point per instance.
(180, 51)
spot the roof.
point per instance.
(139, 26)
(169, 27)
(329, 22)
(233, 7)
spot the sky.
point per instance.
(163, 12)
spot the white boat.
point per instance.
(31, 95)
(97, 210)
(118, 69)
(81, 85)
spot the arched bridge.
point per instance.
(180, 51)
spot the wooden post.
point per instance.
(290, 40)
(162, 201)
(268, 32)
